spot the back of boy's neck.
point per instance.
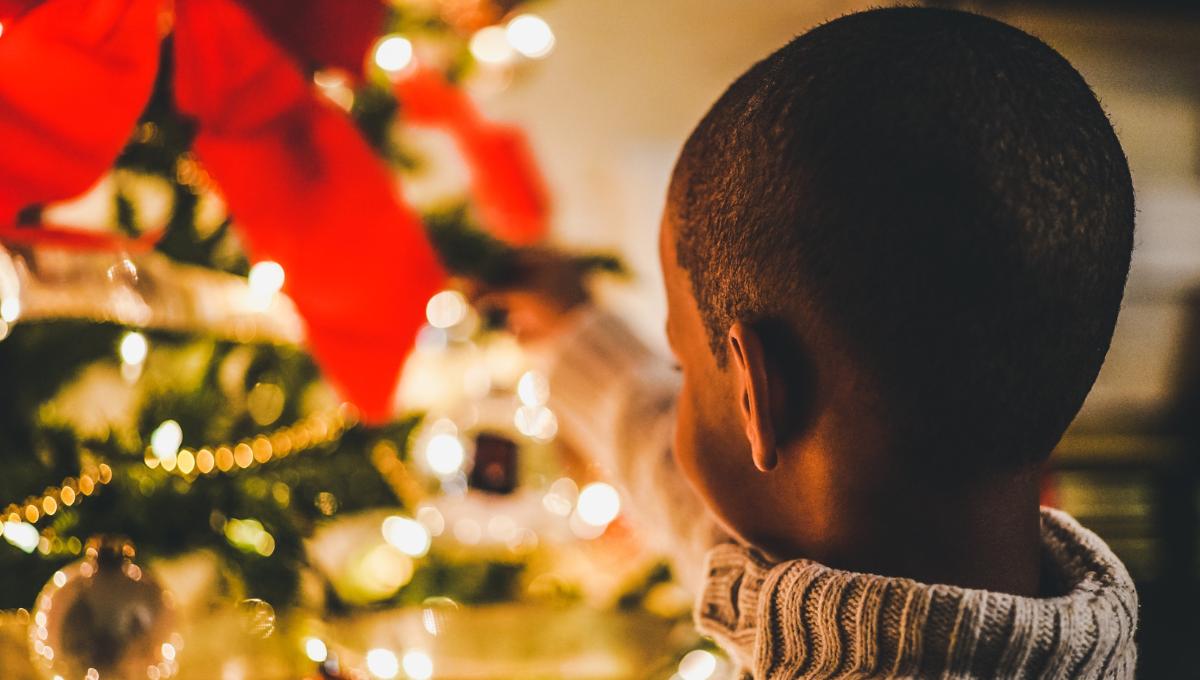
(988, 543)
(983, 535)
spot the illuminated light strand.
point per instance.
(308, 433)
(70, 492)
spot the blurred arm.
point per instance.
(615, 401)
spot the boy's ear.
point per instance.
(750, 363)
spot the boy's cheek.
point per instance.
(684, 448)
(705, 441)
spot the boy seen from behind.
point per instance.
(894, 252)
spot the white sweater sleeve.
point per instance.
(615, 401)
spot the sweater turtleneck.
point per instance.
(800, 619)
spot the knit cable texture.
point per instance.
(800, 619)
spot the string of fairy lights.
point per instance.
(496, 46)
(20, 519)
(311, 432)
(18, 522)
(440, 449)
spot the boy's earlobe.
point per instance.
(751, 365)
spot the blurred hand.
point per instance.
(545, 287)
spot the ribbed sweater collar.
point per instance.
(800, 619)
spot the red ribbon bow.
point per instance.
(305, 189)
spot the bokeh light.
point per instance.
(393, 53)
(22, 535)
(530, 35)
(165, 441)
(265, 280)
(408, 536)
(446, 309)
(537, 422)
(250, 535)
(445, 454)
(432, 519)
(418, 665)
(561, 496)
(10, 309)
(533, 389)
(265, 402)
(134, 348)
(383, 663)
(315, 650)
(599, 504)
(697, 664)
(490, 45)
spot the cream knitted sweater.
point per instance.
(800, 619)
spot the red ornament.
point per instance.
(77, 73)
(322, 33)
(509, 194)
(310, 194)
(303, 186)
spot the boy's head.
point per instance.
(912, 223)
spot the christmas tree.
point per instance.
(209, 285)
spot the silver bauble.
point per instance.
(103, 617)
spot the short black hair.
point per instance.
(945, 194)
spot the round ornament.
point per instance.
(103, 617)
